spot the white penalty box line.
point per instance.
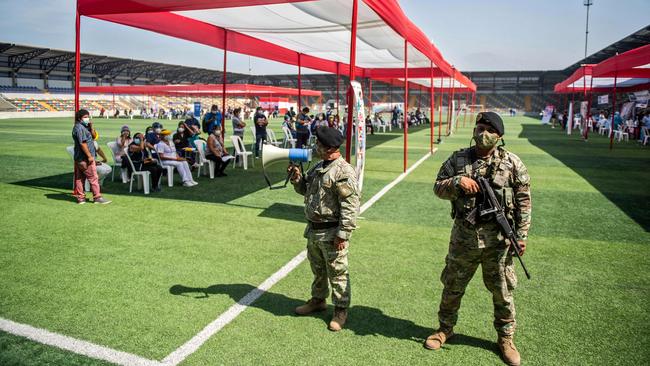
(181, 353)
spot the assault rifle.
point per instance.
(490, 206)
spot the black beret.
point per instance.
(493, 119)
(328, 136)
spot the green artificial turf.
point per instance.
(146, 273)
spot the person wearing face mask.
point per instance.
(167, 153)
(85, 167)
(217, 153)
(143, 161)
(479, 241)
(153, 137)
(331, 208)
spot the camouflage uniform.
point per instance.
(330, 197)
(483, 243)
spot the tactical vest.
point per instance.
(499, 173)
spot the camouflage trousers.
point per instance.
(329, 266)
(499, 278)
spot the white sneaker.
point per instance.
(194, 182)
(188, 184)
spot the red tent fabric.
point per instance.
(200, 89)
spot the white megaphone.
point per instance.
(272, 154)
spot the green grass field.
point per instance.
(146, 273)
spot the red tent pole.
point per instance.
(611, 126)
(338, 75)
(406, 103)
(449, 96)
(353, 57)
(442, 84)
(432, 103)
(451, 104)
(591, 85)
(77, 60)
(299, 83)
(225, 80)
(370, 94)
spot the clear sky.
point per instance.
(474, 35)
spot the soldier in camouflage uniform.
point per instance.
(481, 242)
(331, 208)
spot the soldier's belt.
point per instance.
(323, 225)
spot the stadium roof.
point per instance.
(200, 90)
(634, 40)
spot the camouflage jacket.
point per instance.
(507, 175)
(331, 195)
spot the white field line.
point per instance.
(211, 329)
(127, 359)
(74, 345)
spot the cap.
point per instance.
(330, 137)
(156, 125)
(493, 119)
(165, 132)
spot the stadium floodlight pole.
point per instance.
(432, 103)
(77, 59)
(225, 80)
(611, 125)
(406, 102)
(587, 3)
(350, 94)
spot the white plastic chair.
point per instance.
(170, 171)
(143, 175)
(202, 161)
(288, 138)
(620, 134)
(70, 150)
(270, 138)
(240, 151)
(112, 146)
(646, 135)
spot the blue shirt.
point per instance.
(217, 119)
(299, 126)
(152, 138)
(80, 134)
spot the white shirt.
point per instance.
(168, 151)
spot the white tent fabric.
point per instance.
(320, 29)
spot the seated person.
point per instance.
(288, 123)
(184, 138)
(167, 153)
(152, 138)
(216, 152)
(122, 142)
(103, 169)
(192, 124)
(142, 160)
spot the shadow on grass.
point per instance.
(607, 171)
(363, 320)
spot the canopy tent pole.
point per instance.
(465, 114)
(442, 84)
(591, 84)
(370, 94)
(406, 103)
(225, 80)
(451, 104)
(299, 84)
(350, 94)
(77, 60)
(611, 126)
(573, 112)
(449, 96)
(338, 75)
(432, 104)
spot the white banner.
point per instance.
(603, 99)
(360, 132)
(569, 123)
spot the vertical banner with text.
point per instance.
(360, 131)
